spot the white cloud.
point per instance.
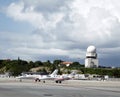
(69, 24)
(22, 13)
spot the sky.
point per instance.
(60, 29)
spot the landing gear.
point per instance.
(58, 81)
(37, 80)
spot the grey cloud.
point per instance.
(46, 7)
(70, 25)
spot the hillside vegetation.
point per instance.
(16, 67)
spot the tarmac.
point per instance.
(77, 83)
(12, 87)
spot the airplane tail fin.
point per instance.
(55, 72)
(73, 73)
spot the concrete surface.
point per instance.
(11, 87)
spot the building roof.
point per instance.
(65, 63)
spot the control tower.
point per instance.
(91, 60)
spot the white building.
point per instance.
(91, 60)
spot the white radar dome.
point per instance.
(91, 49)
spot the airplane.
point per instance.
(52, 76)
(55, 77)
(75, 76)
(31, 75)
(28, 75)
(38, 76)
(64, 77)
(80, 77)
(69, 76)
(72, 76)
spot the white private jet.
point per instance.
(80, 77)
(52, 76)
(28, 76)
(37, 76)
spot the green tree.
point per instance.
(47, 63)
(57, 62)
(38, 63)
(31, 64)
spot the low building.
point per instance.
(65, 63)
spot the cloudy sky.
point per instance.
(60, 29)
